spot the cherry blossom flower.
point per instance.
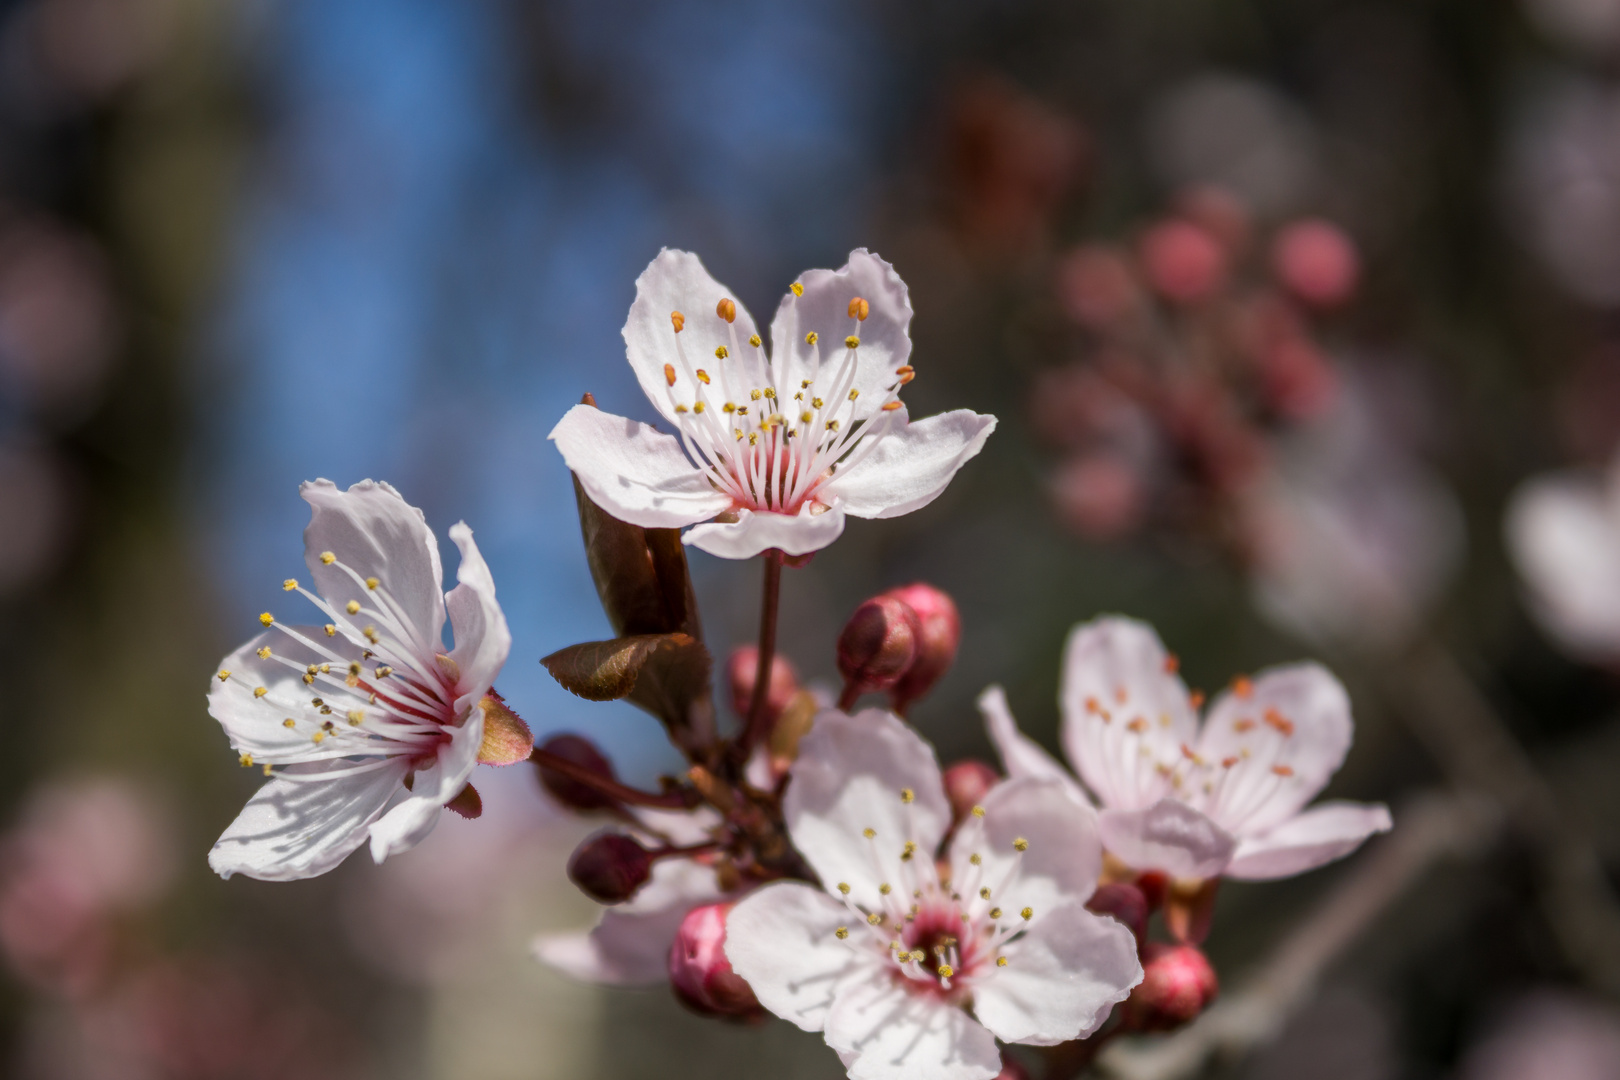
(776, 448)
(1225, 797)
(1563, 531)
(887, 961)
(365, 724)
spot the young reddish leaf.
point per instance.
(507, 739)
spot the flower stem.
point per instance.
(770, 602)
(673, 800)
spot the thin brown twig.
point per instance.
(673, 800)
(770, 602)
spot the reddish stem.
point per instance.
(611, 788)
(851, 692)
(754, 730)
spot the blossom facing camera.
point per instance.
(1177, 984)
(610, 867)
(700, 973)
(939, 632)
(876, 646)
(365, 724)
(771, 449)
(887, 960)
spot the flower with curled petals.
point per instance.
(890, 958)
(365, 724)
(776, 448)
(1195, 801)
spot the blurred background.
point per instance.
(1302, 320)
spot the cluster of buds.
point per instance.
(899, 643)
(1194, 347)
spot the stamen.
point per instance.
(841, 933)
(796, 289)
(289, 585)
(669, 374)
(754, 340)
(1020, 844)
(260, 691)
(331, 631)
(246, 760)
(978, 811)
(1027, 914)
(1001, 961)
(727, 310)
(264, 653)
(810, 338)
(372, 583)
(352, 607)
(266, 619)
(720, 353)
(703, 376)
(852, 342)
(327, 558)
(679, 322)
(859, 309)
(907, 795)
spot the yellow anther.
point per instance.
(267, 768)
(356, 717)
(753, 438)
(720, 353)
(372, 583)
(354, 667)
(309, 680)
(289, 585)
(266, 619)
(853, 394)
(843, 887)
(1027, 914)
(885, 889)
(384, 671)
(907, 795)
(260, 691)
(680, 408)
(317, 737)
(352, 607)
(1001, 961)
(327, 558)
(797, 289)
(984, 893)
(312, 669)
(264, 653)
(678, 321)
(806, 416)
(728, 408)
(869, 832)
(976, 859)
(326, 669)
(815, 403)
(669, 374)
(995, 913)
(810, 338)
(852, 342)
(754, 395)
(908, 851)
(874, 918)
(246, 760)
(799, 396)
(978, 811)
(890, 406)
(289, 723)
(1020, 844)
(945, 971)
(832, 425)
(770, 393)
(371, 634)
(754, 340)
(698, 407)
(331, 631)
(703, 376)
(841, 933)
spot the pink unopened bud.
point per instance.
(609, 867)
(1316, 261)
(966, 785)
(573, 794)
(876, 646)
(1124, 902)
(1183, 261)
(939, 632)
(744, 666)
(1177, 984)
(1011, 1070)
(1100, 495)
(699, 971)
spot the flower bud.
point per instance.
(740, 672)
(699, 972)
(1124, 902)
(1177, 984)
(1011, 1070)
(966, 784)
(876, 646)
(566, 790)
(939, 632)
(1316, 262)
(609, 867)
(1183, 261)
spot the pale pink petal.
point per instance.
(408, 824)
(1126, 713)
(783, 940)
(630, 946)
(1316, 837)
(254, 722)
(1564, 534)
(1169, 836)
(482, 637)
(1021, 755)
(677, 281)
(911, 465)
(895, 1035)
(299, 825)
(849, 777)
(1286, 736)
(375, 533)
(1063, 977)
(1063, 855)
(633, 471)
(811, 529)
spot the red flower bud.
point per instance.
(699, 971)
(876, 646)
(609, 867)
(566, 790)
(1183, 261)
(1124, 902)
(740, 672)
(939, 632)
(1177, 984)
(966, 784)
(1316, 262)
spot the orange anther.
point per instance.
(727, 310)
(1242, 686)
(1282, 770)
(669, 374)
(1092, 706)
(1277, 720)
(1188, 752)
(1244, 726)
(1138, 725)
(891, 406)
(1228, 762)
(1172, 664)
(678, 320)
(859, 309)
(1196, 699)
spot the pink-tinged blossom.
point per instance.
(365, 723)
(888, 960)
(1563, 531)
(776, 448)
(1195, 800)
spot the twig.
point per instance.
(754, 729)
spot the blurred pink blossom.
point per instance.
(1548, 1035)
(1563, 533)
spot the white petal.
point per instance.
(1169, 836)
(1021, 755)
(408, 823)
(630, 946)
(1254, 794)
(252, 722)
(294, 829)
(895, 1035)
(848, 778)
(677, 281)
(376, 533)
(1564, 535)
(1063, 856)
(1325, 832)
(1062, 978)
(911, 464)
(1116, 672)
(633, 471)
(824, 308)
(482, 637)
(757, 531)
(782, 939)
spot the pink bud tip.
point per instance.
(566, 790)
(1177, 984)
(966, 785)
(699, 971)
(1183, 261)
(939, 633)
(1316, 261)
(1011, 1070)
(1124, 902)
(609, 867)
(740, 672)
(877, 645)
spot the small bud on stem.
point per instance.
(699, 972)
(1177, 984)
(876, 647)
(609, 867)
(940, 632)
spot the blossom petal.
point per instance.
(782, 940)
(1325, 832)
(911, 465)
(374, 532)
(482, 637)
(630, 946)
(755, 531)
(409, 822)
(848, 778)
(1063, 852)
(677, 281)
(1125, 711)
(1564, 535)
(633, 471)
(885, 342)
(299, 825)
(1169, 836)
(1286, 735)
(1062, 978)
(895, 1035)
(1021, 755)
(254, 722)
